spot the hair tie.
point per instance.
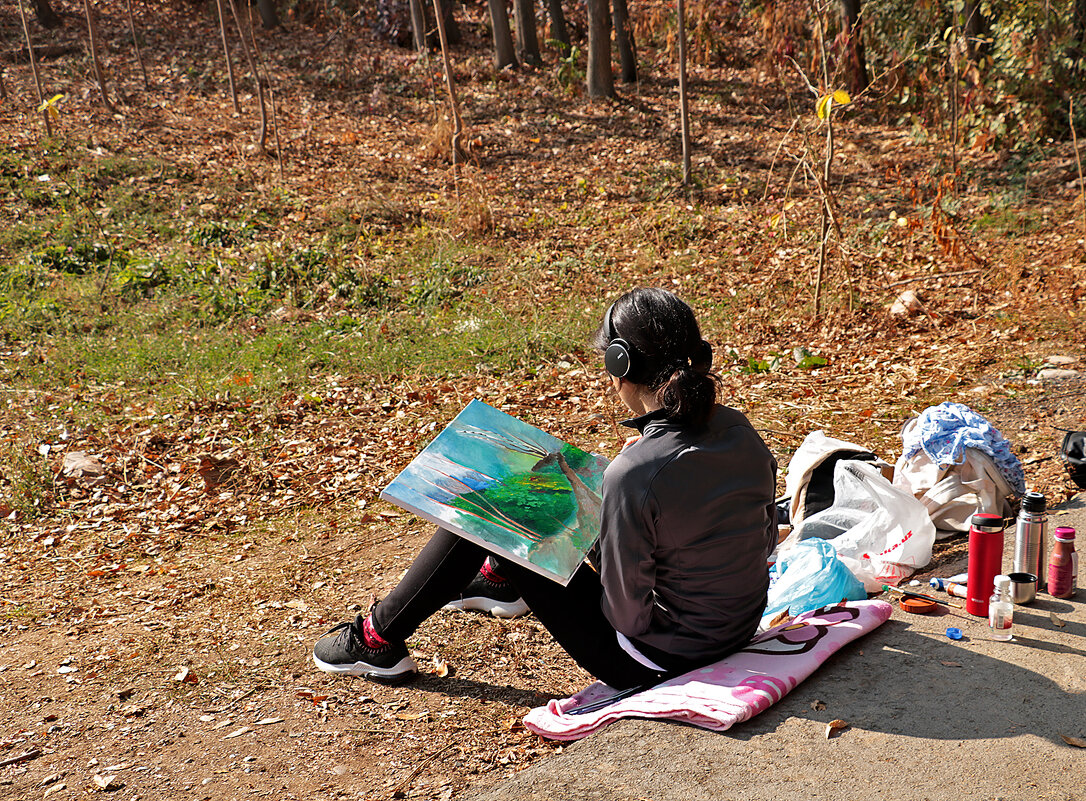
(682, 363)
(702, 359)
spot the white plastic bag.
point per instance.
(815, 449)
(880, 532)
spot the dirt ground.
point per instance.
(156, 626)
(93, 667)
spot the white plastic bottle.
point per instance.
(1001, 610)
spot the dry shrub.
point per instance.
(471, 214)
(437, 144)
(711, 29)
(785, 32)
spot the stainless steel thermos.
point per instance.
(1029, 537)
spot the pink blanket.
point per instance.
(727, 692)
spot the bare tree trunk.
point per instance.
(418, 24)
(854, 46)
(624, 39)
(452, 30)
(954, 80)
(34, 68)
(229, 62)
(684, 105)
(600, 81)
(454, 106)
(826, 175)
(256, 77)
(268, 13)
(264, 82)
(136, 47)
(504, 56)
(527, 39)
(99, 73)
(975, 27)
(47, 18)
(1079, 26)
(1078, 160)
(558, 23)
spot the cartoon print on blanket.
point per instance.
(727, 692)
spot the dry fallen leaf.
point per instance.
(82, 469)
(1056, 621)
(779, 618)
(951, 664)
(185, 676)
(238, 733)
(817, 705)
(215, 471)
(1077, 742)
(834, 726)
(441, 667)
(106, 783)
(908, 303)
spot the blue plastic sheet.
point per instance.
(810, 576)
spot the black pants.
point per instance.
(572, 614)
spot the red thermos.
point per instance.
(985, 561)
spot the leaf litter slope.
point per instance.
(223, 535)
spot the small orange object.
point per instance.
(918, 606)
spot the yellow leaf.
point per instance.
(823, 107)
(50, 106)
(840, 97)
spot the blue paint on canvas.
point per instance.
(509, 486)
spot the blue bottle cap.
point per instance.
(953, 633)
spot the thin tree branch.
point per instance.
(34, 69)
(458, 125)
(229, 62)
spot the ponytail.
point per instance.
(688, 396)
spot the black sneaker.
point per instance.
(344, 650)
(497, 598)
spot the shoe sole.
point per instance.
(501, 609)
(402, 671)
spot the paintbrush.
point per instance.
(911, 594)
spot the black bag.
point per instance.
(1074, 456)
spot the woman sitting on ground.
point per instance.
(678, 578)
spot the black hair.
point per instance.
(667, 353)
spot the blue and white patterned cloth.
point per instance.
(946, 430)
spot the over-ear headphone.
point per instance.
(618, 358)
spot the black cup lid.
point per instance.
(1033, 502)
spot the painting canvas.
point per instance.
(508, 486)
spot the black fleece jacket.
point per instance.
(688, 521)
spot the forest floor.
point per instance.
(161, 591)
